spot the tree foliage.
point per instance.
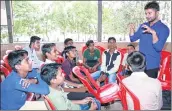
(76, 17)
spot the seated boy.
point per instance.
(69, 63)
(53, 76)
(147, 89)
(15, 87)
(125, 70)
(110, 63)
(69, 42)
(91, 57)
(31, 49)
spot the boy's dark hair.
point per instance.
(89, 42)
(67, 49)
(136, 60)
(131, 45)
(33, 39)
(15, 57)
(49, 72)
(152, 5)
(67, 40)
(111, 38)
(46, 48)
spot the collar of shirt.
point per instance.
(30, 49)
(139, 74)
(70, 61)
(13, 73)
(158, 22)
(115, 51)
(47, 61)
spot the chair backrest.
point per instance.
(123, 91)
(77, 71)
(48, 103)
(122, 51)
(88, 75)
(83, 49)
(8, 51)
(4, 70)
(60, 60)
(165, 66)
(2, 62)
(18, 47)
(30, 96)
(5, 59)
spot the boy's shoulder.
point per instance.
(55, 93)
(66, 62)
(11, 80)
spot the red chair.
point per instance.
(104, 94)
(4, 70)
(2, 62)
(59, 60)
(31, 96)
(5, 59)
(165, 70)
(122, 94)
(18, 47)
(8, 51)
(49, 104)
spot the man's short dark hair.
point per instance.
(67, 40)
(46, 48)
(67, 49)
(152, 5)
(89, 42)
(33, 39)
(15, 57)
(136, 60)
(131, 45)
(49, 72)
(111, 38)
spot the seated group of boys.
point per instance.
(55, 80)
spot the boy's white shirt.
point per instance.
(36, 63)
(116, 63)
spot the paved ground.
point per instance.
(115, 106)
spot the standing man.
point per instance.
(153, 35)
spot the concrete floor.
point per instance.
(115, 106)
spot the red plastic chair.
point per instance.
(5, 59)
(4, 70)
(165, 70)
(122, 94)
(8, 51)
(2, 62)
(31, 96)
(104, 94)
(49, 104)
(18, 47)
(59, 60)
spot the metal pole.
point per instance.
(99, 20)
(9, 20)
